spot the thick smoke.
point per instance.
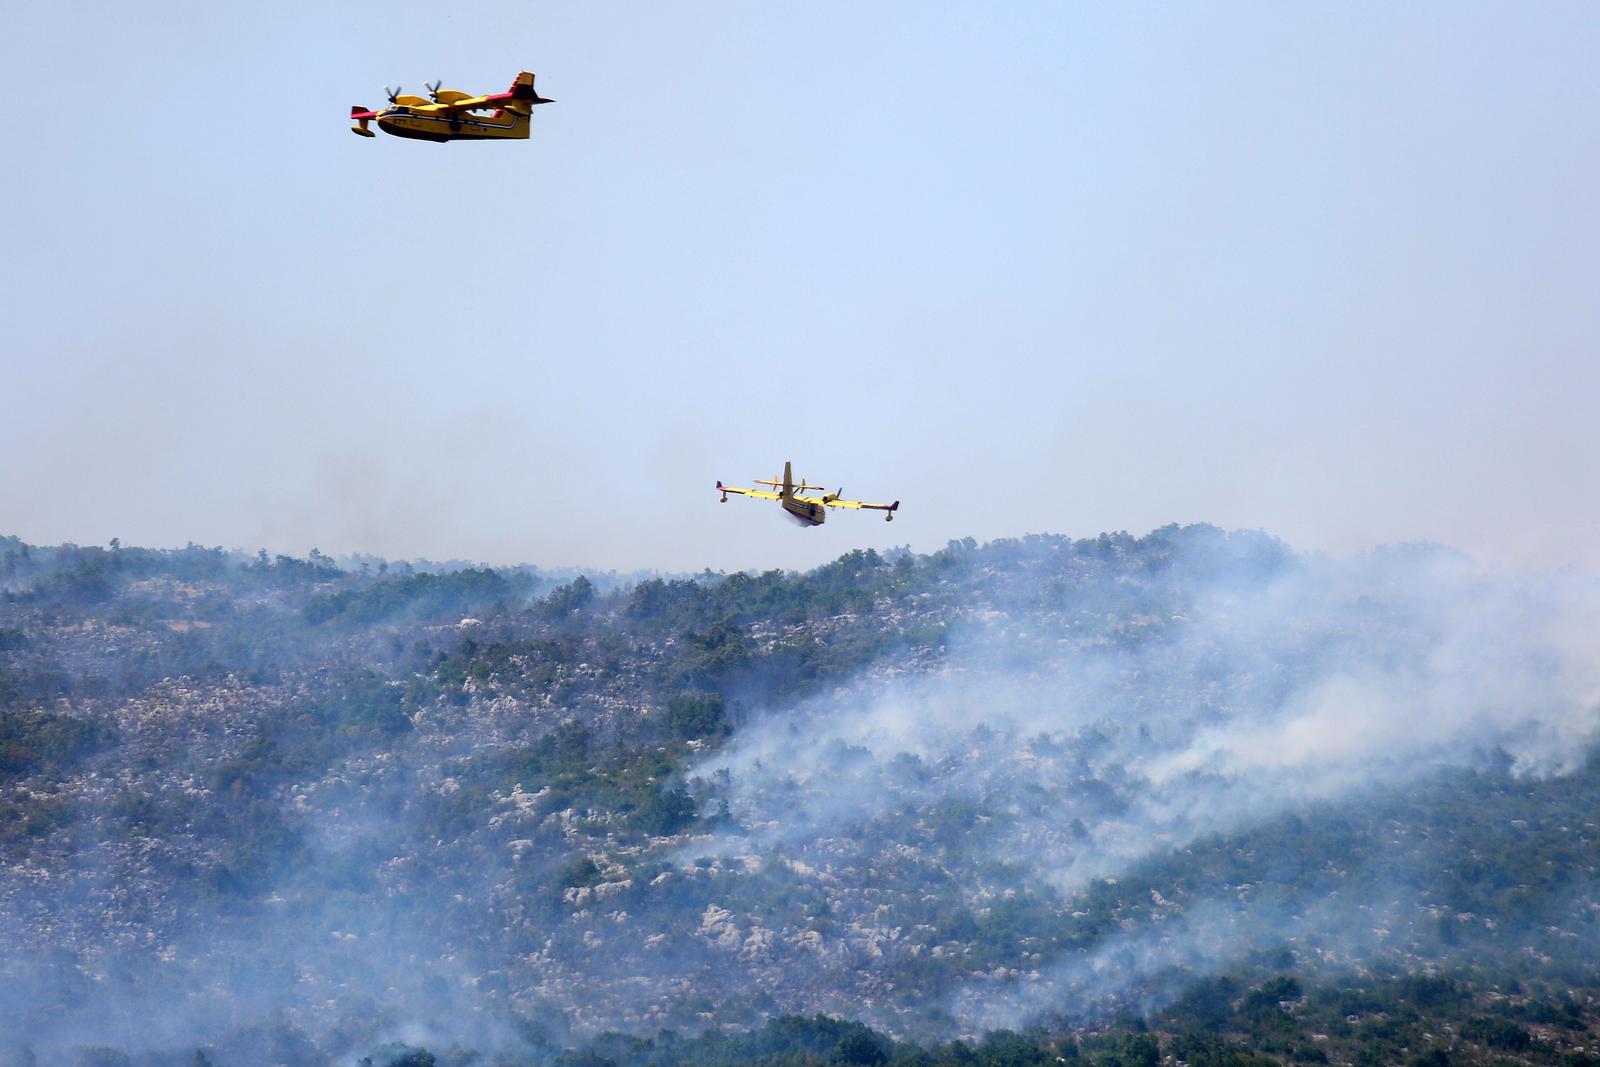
(1092, 742)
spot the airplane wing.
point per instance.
(761, 493)
(450, 100)
(468, 103)
(861, 504)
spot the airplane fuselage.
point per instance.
(805, 510)
(404, 121)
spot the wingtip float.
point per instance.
(806, 510)
(451, 115)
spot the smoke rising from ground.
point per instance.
(1004, 817)
(1090, 747)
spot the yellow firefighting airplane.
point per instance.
(454, 116)
(805, 510)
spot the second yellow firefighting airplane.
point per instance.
(452, 115)
(806, 510)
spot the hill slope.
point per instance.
(290, 812)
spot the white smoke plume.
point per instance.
(1086, 742)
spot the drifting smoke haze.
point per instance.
(1322, 680)
(1284, 684)
(999, 813)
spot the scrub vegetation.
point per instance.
(1185, 798)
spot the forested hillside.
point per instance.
(1189, 797)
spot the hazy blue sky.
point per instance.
(1327, 270)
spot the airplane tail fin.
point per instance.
(788, 481)
(523, 92)
(523, 100)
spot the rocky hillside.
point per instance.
(288, 811)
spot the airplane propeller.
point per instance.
(433, 88)
(392, 93)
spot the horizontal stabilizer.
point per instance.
(522, 89)
(796, 487)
